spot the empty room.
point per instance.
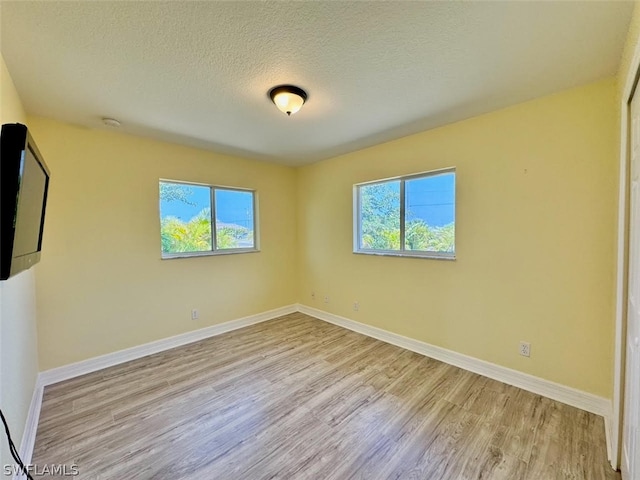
(320, 240)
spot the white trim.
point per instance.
(411, 254)
(621, 263)
(55, 375)
(208, 253)
(30, 427)
(607, 435)
(555, 391)
(83, 367)
(618, 381)
(402, 252)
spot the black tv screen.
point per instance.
(24, 183)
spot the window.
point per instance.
(187, 226)
(408, 216)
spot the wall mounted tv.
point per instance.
(24, 183)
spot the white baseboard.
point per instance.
(83, 367)
(607, 434)
(555, 391)
(55, 375)
(30, 428)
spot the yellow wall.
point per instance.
(18, 337)
(536, 219)
(535, 241)
(102, 286)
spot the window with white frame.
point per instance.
(412, 215)
(198, 219)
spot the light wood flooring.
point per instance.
(298, 398)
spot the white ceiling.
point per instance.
(198, 73)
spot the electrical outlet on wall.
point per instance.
(195, 314)
(356, 306)
(525, 349)
(313, 295)
(326, 299)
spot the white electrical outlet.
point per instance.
(525, 349)
(326, 299)
(195, 314)
(356, 306)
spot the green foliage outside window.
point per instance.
(194, 235)
(380, 223)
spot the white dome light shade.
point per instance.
(287, 98)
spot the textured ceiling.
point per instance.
(198, 73)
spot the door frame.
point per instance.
(614, 425)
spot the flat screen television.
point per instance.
(24, 184)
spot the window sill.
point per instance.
(425, 255)
(228, 251)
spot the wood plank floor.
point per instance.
(298, 398)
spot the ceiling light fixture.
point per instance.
(288, 98)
